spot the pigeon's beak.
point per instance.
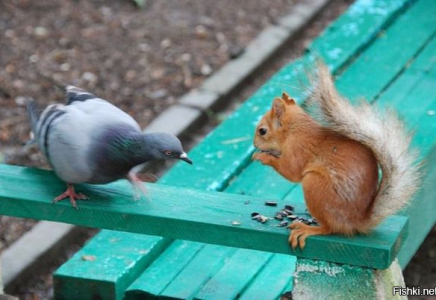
(185, 157)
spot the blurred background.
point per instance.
(142, 56)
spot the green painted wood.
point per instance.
(394, 48)
(204, 266)
(115, 251)
(163, 270)
(222, 166)
(356, 29)
(226, 151)
(413, 96)
(185, 284)
(273, 280)
(259, 181)
(234, 277)
(182, 280)
(415, 71)
(185, 214)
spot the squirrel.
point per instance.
(336, 156)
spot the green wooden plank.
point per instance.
(234, 277)
(415, 111)
(115, 251)
(415, 71)
(219, 156)
(186, 281)
(204, 266)
(413, 102)
(355, 29)
(184, 214)
(163, 270)
(274, 279)
(373, 70)
(221, 170)
(185, 285)
(256, 180)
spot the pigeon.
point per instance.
(89, 140)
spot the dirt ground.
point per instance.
(140, 59)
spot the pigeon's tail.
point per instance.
(62, 86)
(34, 113)
(72, 93)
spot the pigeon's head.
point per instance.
(166, 146)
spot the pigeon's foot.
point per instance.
(70, 193)
(138, 186)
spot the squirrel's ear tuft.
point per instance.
(288, 99)
(278, 110)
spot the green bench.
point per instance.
(381, 50)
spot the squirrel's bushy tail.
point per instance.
(382, 132)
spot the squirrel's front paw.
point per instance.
(263, 157)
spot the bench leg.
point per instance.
(324, 280)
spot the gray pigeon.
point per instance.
(89, 140)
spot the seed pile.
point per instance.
(286, 215)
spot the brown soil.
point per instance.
(140, 59)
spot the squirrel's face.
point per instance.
(272, 128)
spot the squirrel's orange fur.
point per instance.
(337, 164)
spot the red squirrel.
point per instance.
(337, 159)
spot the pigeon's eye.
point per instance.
(167, 153)
(262, 131)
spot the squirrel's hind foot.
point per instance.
(301, 231)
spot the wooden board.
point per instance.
(413, 96)
(234, 277)
(204, 266)
(224, 153)
(372, 71)
(181, 213)
(163, 270)
(115, 251)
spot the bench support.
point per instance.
(325, 280)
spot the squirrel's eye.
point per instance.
(262, 131)
(167, 153)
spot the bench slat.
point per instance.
(391, 52)
(134, 252)
(234, 276)
(186, 214)
(413, 95)
(204, 266)
(163, 270)
(273, 280)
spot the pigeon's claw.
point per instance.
(70, 193)
(138, 186)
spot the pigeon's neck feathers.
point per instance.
(131, 147)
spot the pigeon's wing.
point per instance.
(73, 136)
(74, 94)
(41, 123)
